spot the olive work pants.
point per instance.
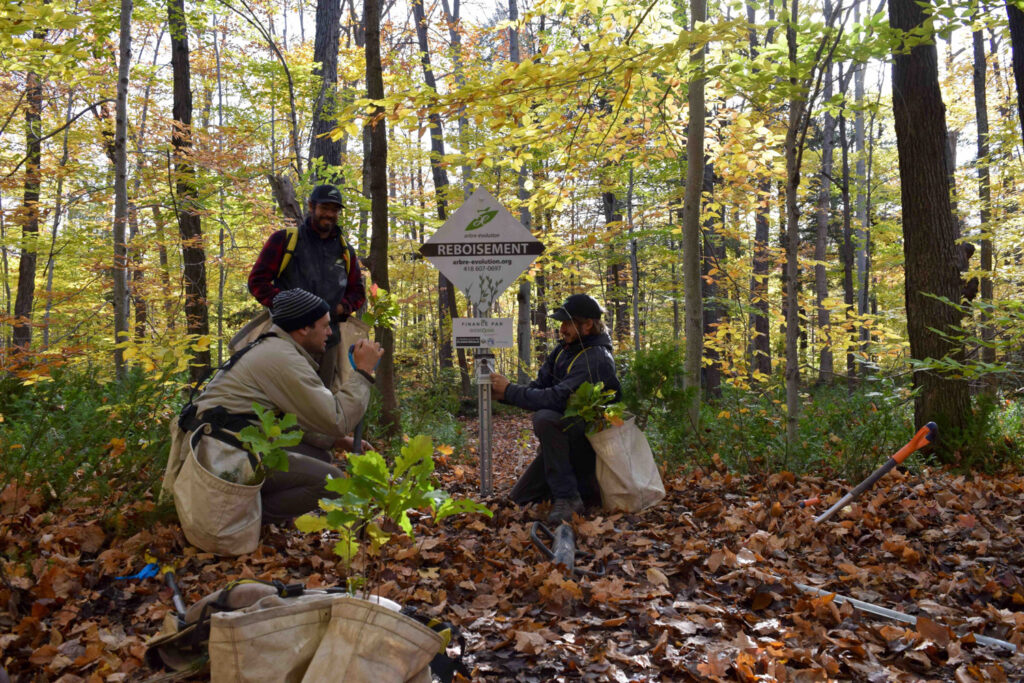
(287, 495)
(564, 466)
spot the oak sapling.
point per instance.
(268, 441)
(373, 504)
(596, 406)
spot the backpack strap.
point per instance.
(187, 415)
(289, 249)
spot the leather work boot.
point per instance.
(563, 509)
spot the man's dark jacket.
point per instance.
(564, 370)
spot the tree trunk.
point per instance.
(988, 351)
(846, 251)
(523, 295)
(136, 251)
(861, 237)
(28, 216)
(694, 302)
(796, 108)
(760, 347)
(451, 16)
(120, 266)
(1016, 21)
(5, 266)
(712, 258)
(58, 209)
(378, 185)
(193, 254)
(541, 342)
(445, 291)
(325, 53)
(634, 267)
(613, 274)
(929, 229)
(822, 216)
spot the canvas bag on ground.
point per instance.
(369, 643)
(181, 644)
(275, 638)
(271, 641)
(626, 471)
(217, 515)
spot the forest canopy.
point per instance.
(150, 149)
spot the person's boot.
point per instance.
(564, 508)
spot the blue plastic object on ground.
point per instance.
(151, 569)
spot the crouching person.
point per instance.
(564, 469)
(278, 373)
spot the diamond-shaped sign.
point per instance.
(482, 249)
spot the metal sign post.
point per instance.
(484, 366)
(482, 249)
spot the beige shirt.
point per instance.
(280, 375)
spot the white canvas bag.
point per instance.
(367, 642)
(217, 515)
(271, 641)
(626, 471)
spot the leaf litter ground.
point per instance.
(701, 587)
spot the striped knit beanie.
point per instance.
(294, 309)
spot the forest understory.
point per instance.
(700, 587)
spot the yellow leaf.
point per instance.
(445, 449)
(724, 415)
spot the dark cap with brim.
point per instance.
(325, 194)
(578, 306)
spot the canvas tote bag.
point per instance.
(278, 638)
(217, 515)
(367, 642)
(626, 471)
(271, 641)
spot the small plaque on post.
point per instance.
(483, 333)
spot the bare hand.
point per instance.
(366, 354)
(498, 385)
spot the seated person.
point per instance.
(564, 469)
(278, 373)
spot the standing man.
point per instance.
(316, 258)
(564, 469)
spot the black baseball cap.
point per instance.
(578, 306)
(325, 194)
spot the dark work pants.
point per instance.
(287, 495)
(564, 466)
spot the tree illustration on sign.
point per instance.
(489, 289)
(484, 216)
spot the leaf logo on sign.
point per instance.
(484, 217)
